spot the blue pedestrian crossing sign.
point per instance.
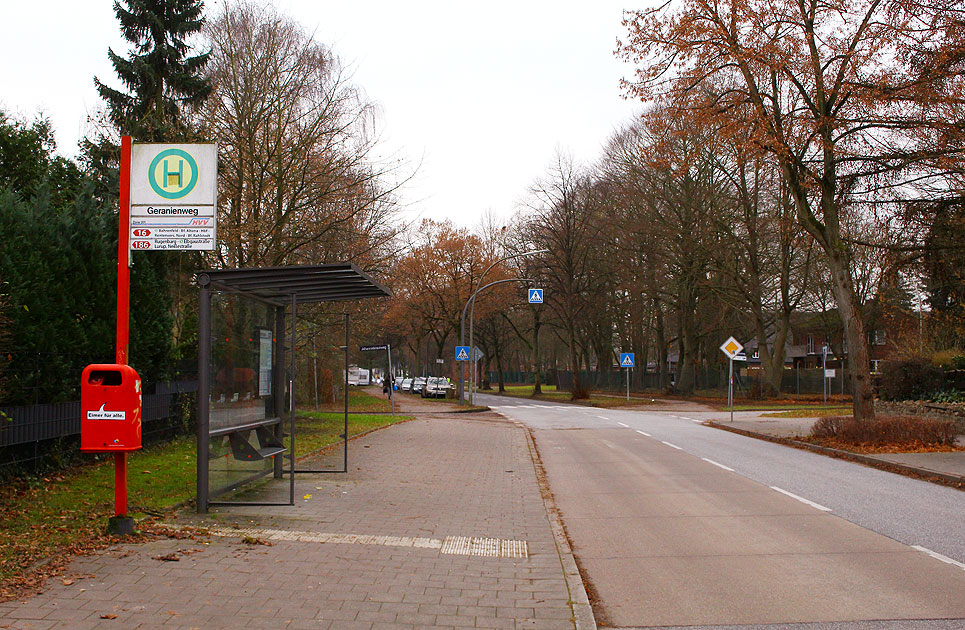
(462, 353)
(626, 360)
(536, 296)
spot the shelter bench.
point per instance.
(239, 436)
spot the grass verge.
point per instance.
(786, 402)
(359, 401)
(549, 393)
(46, 521)
(808, 412)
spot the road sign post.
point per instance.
(168, 201)
(628, 361)
(730, 388)
(476, 355)
(388, 350)
(121, 523)
(824, 367)
(731, 348)
(390, 376)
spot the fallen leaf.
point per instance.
(171, 557)
(108, 616)
(67, 581)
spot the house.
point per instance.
(816, 340)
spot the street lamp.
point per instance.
(471, 300)
(472, 384)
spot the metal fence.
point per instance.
(793, 381)
(41, 436)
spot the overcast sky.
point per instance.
(480, 95)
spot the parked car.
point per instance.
(405, 385)
(436, 387)
(417, 385)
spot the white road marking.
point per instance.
(938, 556)
(710, 461)
(625, 426)
(671, 445)
(802, 499)
(602, 417)
(644, 433)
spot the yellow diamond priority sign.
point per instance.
(731, 348)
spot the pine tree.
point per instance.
(163, 80)
(163, 84)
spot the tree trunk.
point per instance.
(688, 343)
(578, 391)
(839, 264)
(662, 368)
(852, 319)
(641, 348)
(771, 354)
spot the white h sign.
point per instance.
(174, 196)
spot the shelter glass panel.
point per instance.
(245, 410)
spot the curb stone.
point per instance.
(953, 480)
(583, 618)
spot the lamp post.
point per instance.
(472, 306)
(471, 300)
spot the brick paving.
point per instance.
(431, 478)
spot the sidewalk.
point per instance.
(439, 524)
(950, 466)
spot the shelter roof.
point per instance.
(306, 283)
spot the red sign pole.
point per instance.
(123, 306)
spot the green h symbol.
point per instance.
(170, 177)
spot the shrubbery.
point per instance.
(952, 359)
(910, 379)
(887, 430)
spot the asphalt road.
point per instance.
(677, 524)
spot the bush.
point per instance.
(909, 379)
(886, 431)
(952, 359)
(954, 380)
(827, 427)
(948, 396)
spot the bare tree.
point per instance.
(812, 83)
(295, 140)
(667, 201)
(565, 222)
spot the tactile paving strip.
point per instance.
(454, 545)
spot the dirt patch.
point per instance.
(895, 448)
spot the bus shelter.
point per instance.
(247, 322)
